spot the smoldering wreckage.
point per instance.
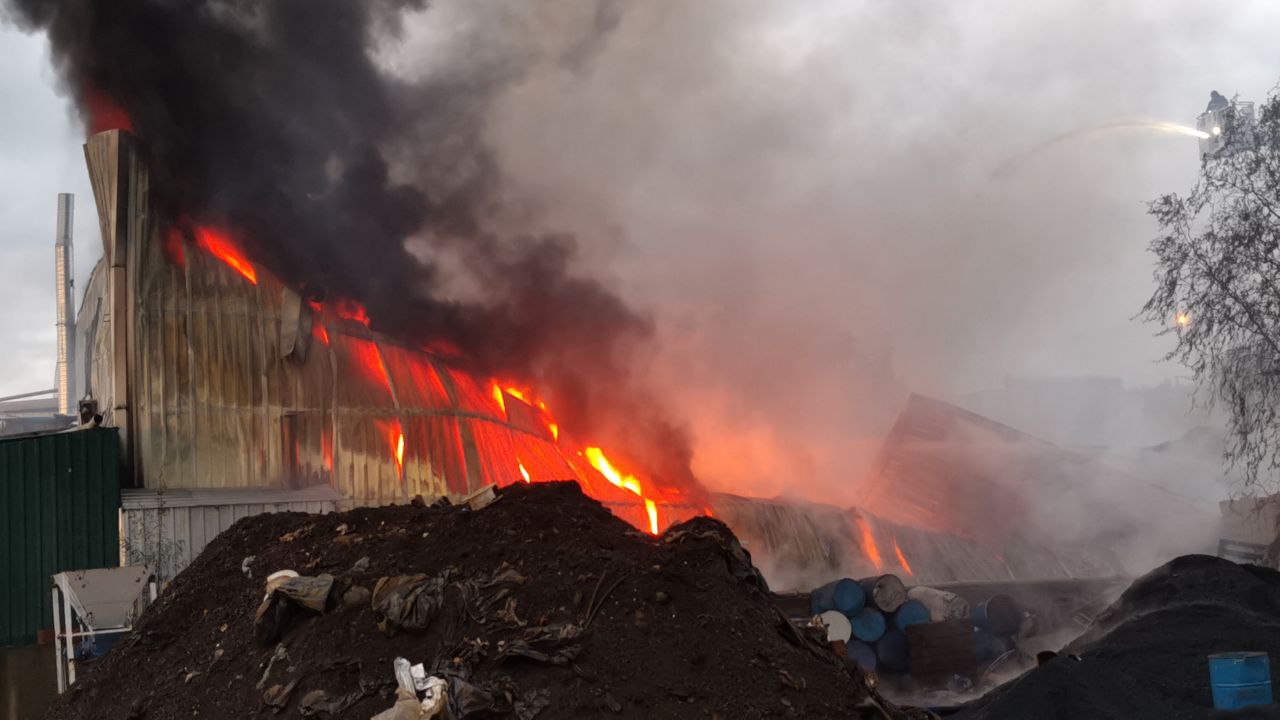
(508, 528)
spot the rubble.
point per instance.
(1146, 656)
(541, 606)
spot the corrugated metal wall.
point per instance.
(59, 509)
(167, 530)
(804, 545)
(236, 382)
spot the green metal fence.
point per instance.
(59, 510)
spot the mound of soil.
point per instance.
(1146, 657)
(549, 607)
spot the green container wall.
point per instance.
(59, 510)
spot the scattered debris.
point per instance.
(481, 498)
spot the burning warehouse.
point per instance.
(356, 261)
(221, 378)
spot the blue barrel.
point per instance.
(988, 647)
(861, 653)
(1240, 679)
(868, 625)
(998, 615)
(844, 595)
(892, 653)
(912, 612)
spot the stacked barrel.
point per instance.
(881, 624)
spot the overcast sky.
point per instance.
(791, 188)
(40, 156)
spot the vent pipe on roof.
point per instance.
(63, 256)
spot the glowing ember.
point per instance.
(369, 357)
(351, 310)
(173, 247)
(320, 333)
(1182, 319)
(219, 244)
(555, 430)
(902, 559)
(326, 449)
(652, 510)
(400, 450)
(868, 541)
(523, 473)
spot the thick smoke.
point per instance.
(287, 124)
(823, 204)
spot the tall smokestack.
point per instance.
(63, 256)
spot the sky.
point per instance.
(821, 204)
(40, 156)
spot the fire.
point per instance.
(105, 114)
(173, 247)
(498, 398)
(220, 245)
(369, 357)
(351, 310)
(1182, 319)
(902, 559)
(868, 542)
(596, 457)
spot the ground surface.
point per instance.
(1147, 655)
(687, 630)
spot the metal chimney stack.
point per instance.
(63, 256)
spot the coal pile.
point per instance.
(541, 605)
(1146, 656)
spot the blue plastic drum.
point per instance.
(1240, 679)
(845, 595)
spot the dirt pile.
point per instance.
(1146, 656)
(541, 605)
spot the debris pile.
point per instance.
(539, 605)
(1147, 655)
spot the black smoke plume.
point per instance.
(274, 120)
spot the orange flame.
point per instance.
(369, 357)
(596, 457)
(868, 541)
(902, 559)
(351, 310)
(400, 450)
(220, 245)
(326, 449)
(555, 430)
(498, 398)
(652, 510)
(320, 333)
(523, 473)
